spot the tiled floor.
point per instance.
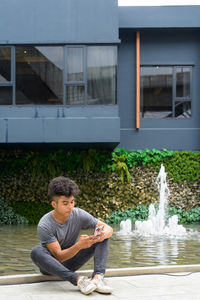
(180, 286)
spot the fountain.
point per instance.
(126, 228)
(156, 224)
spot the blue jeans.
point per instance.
(48, 265)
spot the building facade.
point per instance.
(92, 74)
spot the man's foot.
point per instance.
(85, 285)
(101, 285)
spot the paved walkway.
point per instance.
(179, 286)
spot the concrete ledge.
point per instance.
(32, 278)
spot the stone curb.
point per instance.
(32, 278)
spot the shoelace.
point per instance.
(84, 280)
(103, 280)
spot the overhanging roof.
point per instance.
(159, 16)
(63, 21)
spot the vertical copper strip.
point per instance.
(137, 80)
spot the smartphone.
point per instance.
(98, 230)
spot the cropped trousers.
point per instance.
(48, 265)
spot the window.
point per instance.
(6, 84)
(91, 75)
(75, 75)
(166, 92)
(58, 75)
(101, 75)
(183, 94)
(39, 75)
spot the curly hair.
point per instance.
(62, 186)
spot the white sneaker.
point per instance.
(85, 285)
(101, 285)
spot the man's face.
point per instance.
(63, 205)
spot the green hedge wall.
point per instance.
(180, 165)
(8, 216)
(141, 213)
(24, 178)
(184, 165)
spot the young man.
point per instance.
(61, 253)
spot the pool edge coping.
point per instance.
(33, 278)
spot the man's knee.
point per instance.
(106, 242)
(35, 253)
(104, 245)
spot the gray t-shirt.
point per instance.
(49, 230)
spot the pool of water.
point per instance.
(17, 241)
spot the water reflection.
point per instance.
(151, 251)
(17, 241)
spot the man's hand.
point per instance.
(86, 241)
(102, 236)
(105, 232)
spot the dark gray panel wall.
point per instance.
(59, 22)
(63, 21)
(165, 47)
(126, 79)
(159, 16)
(59, 124)
(172, 139)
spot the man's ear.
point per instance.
(53, 203)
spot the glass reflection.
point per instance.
(5, 95)
(39, 75)
(183, 82)
(183, 109)
(75, 64)
(75, 95)
(156, 92)
(101, 74)
(5, 64)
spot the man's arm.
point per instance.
(84, 242)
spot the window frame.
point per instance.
(181, 99)
(85, 70)
(10, 83)
(174, 98)
(75, 83)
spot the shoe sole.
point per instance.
(101, 292)
(89, 291)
